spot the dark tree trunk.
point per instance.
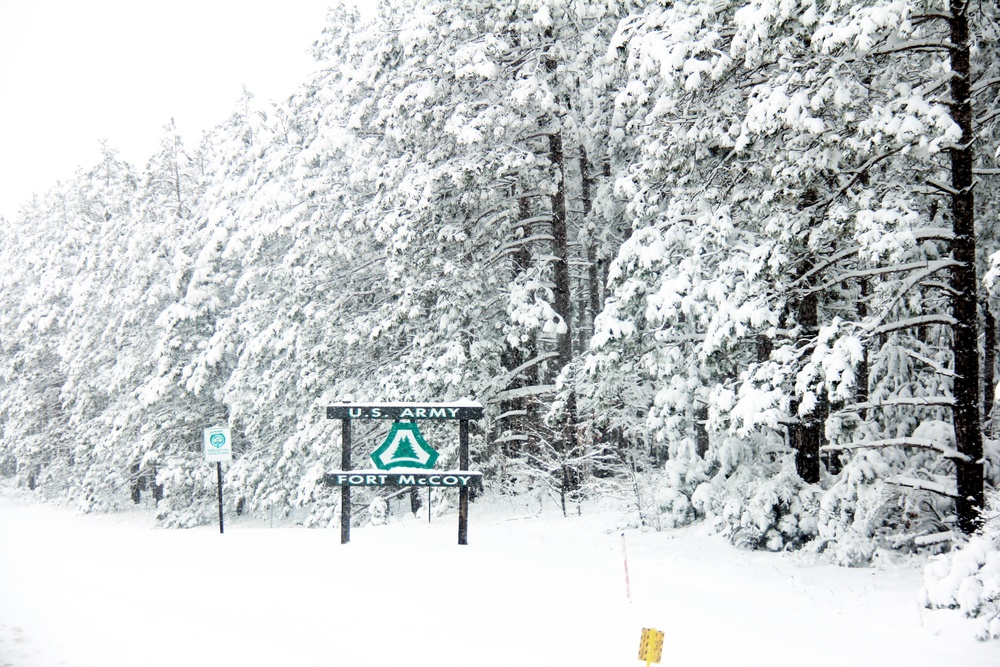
(968, 434)
(806, 433)
(989, 364)
(134, 484)
(415, 500)
(157, 489)
(700, 429)
(595, 292)
(560, 249)
(806, 440)
(861, 386)
(520, 420)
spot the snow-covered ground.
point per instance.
(114, 591)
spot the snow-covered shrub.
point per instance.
(867, 509)
(378, 512)
(872, 503)
(187, 516)
(324, 511)
(190, 494)
(773, 513)
(859, 508)
(968, 578)
(661, 499)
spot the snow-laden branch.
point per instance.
(934, 234)
(514, 372)
(948, 490)
(942, 187)
(516, 437)
(859, 173)
(676, 340)
(917, 19)
(924, 401)
(938, 368)
(979, 122)
(938, 285)
(930, 267)
(512, 413)
(511, 246)
(829, 261)
(983, 84)
(909, 323)
(525, 392)
(935, 538)
(918, 45)
(920, 443)
(544, 217)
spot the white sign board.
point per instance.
(218, 445)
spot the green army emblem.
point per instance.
(404, 447)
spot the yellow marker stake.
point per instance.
(651, 646)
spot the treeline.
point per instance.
(727, 260)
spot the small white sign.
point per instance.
(218, 445)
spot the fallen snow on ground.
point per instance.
(115, 591)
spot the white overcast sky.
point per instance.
(73, 72)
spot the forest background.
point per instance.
(723, 261)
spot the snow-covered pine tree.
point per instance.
(41, 251)
(752, 111)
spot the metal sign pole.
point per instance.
(218, 473)
(218, 448)
(463, 493)
(345, 491)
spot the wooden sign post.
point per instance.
(404, 450)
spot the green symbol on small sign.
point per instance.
(217, 440)
(404, 448)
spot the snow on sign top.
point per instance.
(455, 410)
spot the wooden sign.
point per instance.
(403, 450)
(460, 410)
(448, 479)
